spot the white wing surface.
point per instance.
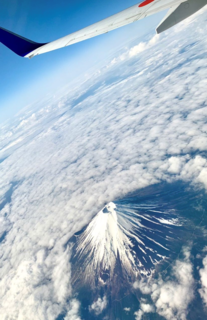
(178, 11)
(120, 19)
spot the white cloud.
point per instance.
(144, 308)
(143, 46)
(135, 50)
(203, 280)
(137, 122)
(174, 297)
(174, 165)
(127, 309)
(73, 312)
(99, 305)
(171, 298)
(28, 287)
(203, 177)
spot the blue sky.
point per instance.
(23, 81)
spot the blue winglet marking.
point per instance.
(18, 44)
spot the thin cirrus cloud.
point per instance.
(135, 122)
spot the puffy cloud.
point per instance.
(27, 287)
(143, 46)
(73, 312)
(171, 298)
(203, 280)
(99, 305)
(144, 308)
(174, 165)
(135, 50)
(203, 177)
(127, 309)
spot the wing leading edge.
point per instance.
(179, 10)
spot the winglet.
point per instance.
(18, 44)
(180, 12)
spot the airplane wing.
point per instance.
(179, 10)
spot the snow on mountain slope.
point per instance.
(126, 236)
